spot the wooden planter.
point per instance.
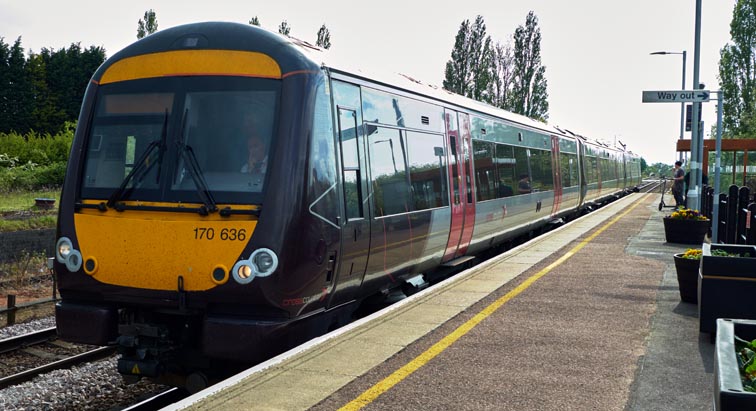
(687, 278)
(728, 389)
(685, 231)
(726, 285)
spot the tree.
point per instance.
(529, 94)
(255, 21)
(480, 60)
(324, 37)
(147, 26)
(284, 28)
(457, 77)
(660, 169)
(20, 100)
(44, 91)
(468, 71)
(737, 73)
(47, 114)
(502, 76)
(5, 81)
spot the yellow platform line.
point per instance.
(381, 387)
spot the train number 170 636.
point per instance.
(225, 234)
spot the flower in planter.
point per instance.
(746, 356)
(683, 213)
(693, 254)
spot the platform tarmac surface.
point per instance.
(587, 317)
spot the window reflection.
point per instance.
(540, 166)
(427, 167)
(568, 169)
(505, 167)
(390, 185)
(485, 174)
(230, 133)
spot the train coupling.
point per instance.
(143, 349)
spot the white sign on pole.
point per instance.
(676, 96)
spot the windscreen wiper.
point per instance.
(187, 154)
(142, 166)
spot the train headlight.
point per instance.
(262, 263)
(243, 272)
(62, 249)
(73, 261)
(265, 262)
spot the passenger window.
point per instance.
(485, 173)
(427, 168)
(540, 165)
(505, 168)
(389, 176)
(351, 162)
(569, 170)
(591, 174)
(522, 170)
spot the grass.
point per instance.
(31, 223)
(19, 212)
(23, 201)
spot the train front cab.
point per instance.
(166, 246)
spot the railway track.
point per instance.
(21, 345)
(27, 340)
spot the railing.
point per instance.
(11, 308)
(737, 214)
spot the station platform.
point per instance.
(586, 317)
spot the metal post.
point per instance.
(684, 54)
(717, 164)
(11, 309)
(682, 105)
(694, 198)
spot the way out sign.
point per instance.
(676, 96)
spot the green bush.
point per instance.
(32, 177)
(33, 161)
(43, 150)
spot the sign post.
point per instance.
(676, 96)
(696, 146)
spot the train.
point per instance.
(232, 192)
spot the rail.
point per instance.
(27, 340)
(89, 356)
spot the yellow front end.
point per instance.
(150, 250)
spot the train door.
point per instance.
(582, 164)
(457, 192)
(468, 185)
(557, 175)
(355, 225)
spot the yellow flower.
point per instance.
(693, 253)
(687, 214)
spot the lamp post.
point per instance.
(682, 105)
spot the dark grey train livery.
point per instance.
(174, 246)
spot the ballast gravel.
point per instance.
(27, 327)
(95, 386)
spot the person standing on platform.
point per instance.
(677, 185)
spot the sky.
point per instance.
(596, 52)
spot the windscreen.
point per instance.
(170, 139)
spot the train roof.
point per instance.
(294, 55)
